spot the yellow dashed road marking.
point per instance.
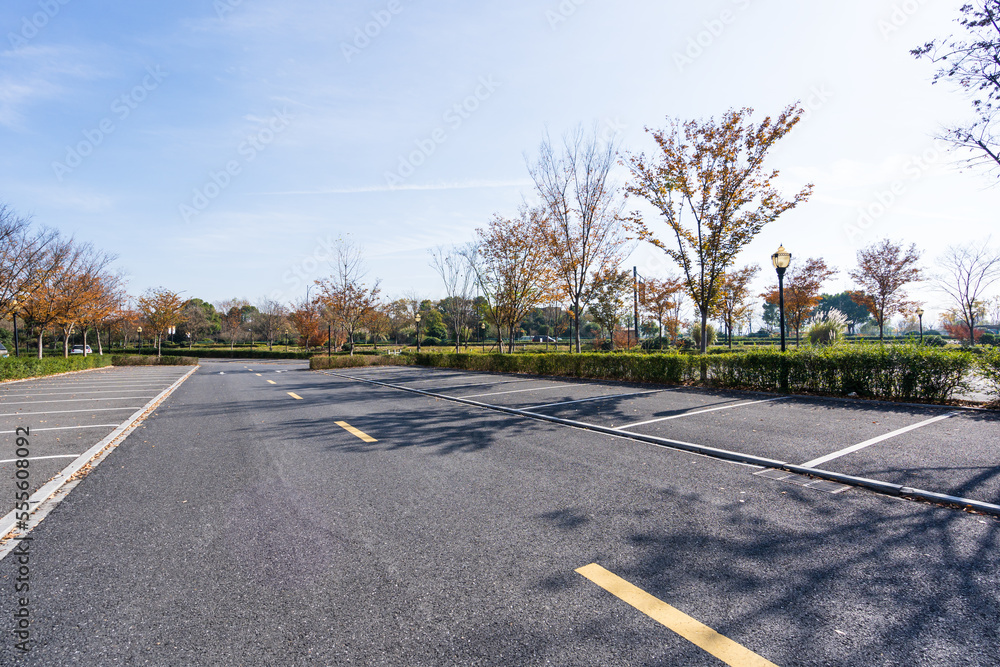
(353, 431)
(694, 631)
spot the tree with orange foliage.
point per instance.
(309, 324)
(884, 269)
(803, 285)
(710, 186)
(734, 293)
(344, 295)
(660, 298)
(161, 309)
(512, 264)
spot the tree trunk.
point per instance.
(576, 322)
(85, 342)
(704, 331)
(41, 335)
(65, 345)
(100, 348)
(158, 346)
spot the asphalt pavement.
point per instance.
(270, 515)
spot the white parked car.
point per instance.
(78, 349)
(3, 351)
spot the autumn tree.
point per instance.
(161, 309)
(609, 303)
(884, 269)
(734, 297)
(583, 207)
(512, 265)
(107, 295)
(270, 320)
(709, 185)
(345, 296)
(458, 278)
(972, 64)
(53, 273)
(659, 298)
(22, 256)
(81, 295)
(232, 320)
(378, 323)
(968, 271)
(803, 283)
(308, 323)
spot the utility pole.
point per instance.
(635, 301)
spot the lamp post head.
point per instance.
(781, 259)
(417, 317)
(139, 329)
(920, 312)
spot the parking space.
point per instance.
(926, 447)
(66, 415)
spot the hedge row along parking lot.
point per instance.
(892, 372)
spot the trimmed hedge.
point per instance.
(145, 360)
(989, 367)
(899, 372)
(238, 353)
(320, 363)
(19, 368)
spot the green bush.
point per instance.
(695, 334)
(343, 361)
(988, 364)
(220, 353)
(19, 368)
(149, 360)
(900, 372)
(934, 341)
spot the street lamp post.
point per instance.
(140, 339)
(781, 259)
(189, 340)
(482, 335)
(286, 340)
(13, 316)
(920, 318)
(417, 318)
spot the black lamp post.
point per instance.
(920, 318)
(781, 259)
(140, 339)
(482, 335)
(417, 318)
(13, 316)
(190, 344)
(286, 340)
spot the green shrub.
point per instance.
(988, 364)
(430, 341)
(149, 360)
(989, 338)
(828, 330)
(900, 372)
(695, 334)
(934, 341)
(343, 361)
(19, 368)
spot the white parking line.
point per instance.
(593, 398)
(866, 443)
(67, 428)
(75, 400)
(512, 391)
(39, 458)
(700, 412)
(63, 393)
(63, 412)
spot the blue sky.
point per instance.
(219, 146)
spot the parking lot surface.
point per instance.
(266, 514)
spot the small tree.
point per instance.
(659, 298)
(734, 298)
(458, 278)
(344, 295)
(969, 270)
(609, 302)
(884, 269)
(512, 265)
(161, 309)
(710, 186)
(802, 292)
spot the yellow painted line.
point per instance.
(294, 395)
(697, 633)
(353, 431)
(272, 382)
(258, 375)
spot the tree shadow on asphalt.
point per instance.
(911, 585)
